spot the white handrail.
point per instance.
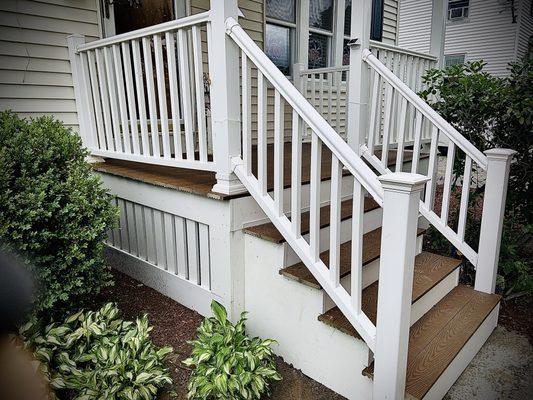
(148, 31)
(428, 112)
(401, 50)
(310, 115)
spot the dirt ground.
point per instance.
(502, 370)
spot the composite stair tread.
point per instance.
(371, 251)
(430, 269)
(269, 232)
(437, 337)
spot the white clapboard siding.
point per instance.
(172, 243)
(487, 34)
(390, 21)
(35, 75)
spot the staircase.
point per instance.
(339, 274)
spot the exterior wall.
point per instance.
(35, 76)
(488, 34)
(390, 21)
(525, 29)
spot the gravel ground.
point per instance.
(503, 369)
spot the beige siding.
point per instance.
(35, 77)
(525, 28)
(487, 34)
(390, 21)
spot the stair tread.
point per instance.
(371, 251)
(437, 337)
(269, 232)
(430, 269)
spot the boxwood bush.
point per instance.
(97, 355)
(53, 211)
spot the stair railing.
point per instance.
(344, 161)
(491, 168)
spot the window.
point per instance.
(280, 32)
(457, 9)
(320, 32)
(454, 59)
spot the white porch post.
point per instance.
(223, 56)
(499, 161)
(398, 247)
(438, 30)
(358, 89)
(302, 44)
(86, 122)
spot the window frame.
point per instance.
(463, 17)
(293, 33)
(463, 55)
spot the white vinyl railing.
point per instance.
(327, 90)
(304, 116)
(144, 97)
(425, 117)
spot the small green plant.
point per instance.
(97, 355)
(54, 212)
(228, 363)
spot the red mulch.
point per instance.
(175, 324)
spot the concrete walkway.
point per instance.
(503, 369)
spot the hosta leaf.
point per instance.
(219, 312)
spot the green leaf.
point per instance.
(219, 312)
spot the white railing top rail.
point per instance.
(307, 112)
(390, 47)
(324, 70)
(428, 112)
(148, 31)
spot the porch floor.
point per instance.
(201, 182)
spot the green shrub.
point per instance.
(229, 364)
(492, 112)
(96, 355)
(53, 211)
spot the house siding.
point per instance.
(525, 29)
(35, 76)
(390, 21)
(488, 34)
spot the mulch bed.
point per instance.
(175, 324)
(516, 315)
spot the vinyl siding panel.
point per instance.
(525, 28)
(390, 21)
(487, 34)
(35, 75)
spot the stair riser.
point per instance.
(286, 310)
(372, 220)
(248, 213)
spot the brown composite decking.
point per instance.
(201, 182)
(437, 337)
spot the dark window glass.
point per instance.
(277, 46)
(318, 51)
(345, 53)
(321, 14)
(348, 17)
(458, 9)
(284, 10)
(376, 26)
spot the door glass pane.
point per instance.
(130, 16)
(348, 17)
(318, 51)
(277, 46)
(284, 10)
(321, 14)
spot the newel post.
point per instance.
(499, 161)
(359, 74)
(223, 54)
(86, 122)
(398, 248)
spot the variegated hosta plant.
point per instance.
(97, 355)
(228, 364)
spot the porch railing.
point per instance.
(143, 94)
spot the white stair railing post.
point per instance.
(398, 248)
(223, 54)
(86, 123)
(359, 74)
(499, 161)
